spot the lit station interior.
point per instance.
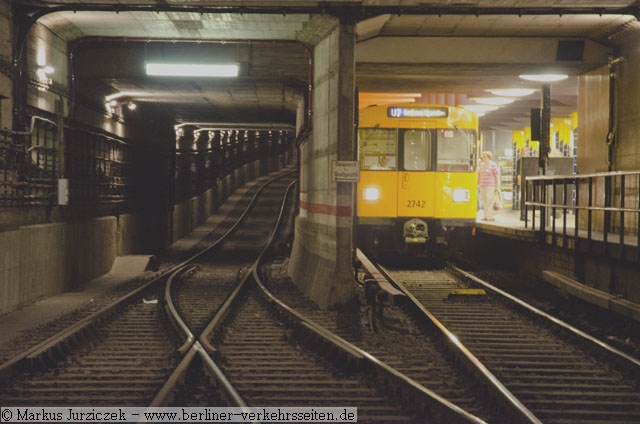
(254, 204)
(126, 127)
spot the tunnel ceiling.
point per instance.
(266, 38)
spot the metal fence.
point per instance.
(29, 163)
(99, 167)
(105, 169)
(603, 207)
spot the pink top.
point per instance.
(488, 175)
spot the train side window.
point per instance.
(455, 150)
(417, 147)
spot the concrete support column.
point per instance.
(321, 257)
(545, 127)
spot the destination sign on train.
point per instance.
(417, 112)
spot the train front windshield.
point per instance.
(443, 150)
(418, 148)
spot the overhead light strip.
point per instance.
(191, 70)
(480, 108)
(494, 101)
(511, 92)
(544, 77)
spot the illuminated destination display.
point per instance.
(417, 112)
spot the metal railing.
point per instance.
(100, 168)
(603, 207)
(29, 164)
(106, 170)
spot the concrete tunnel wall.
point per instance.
(43, 260)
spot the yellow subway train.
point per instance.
(417, 188)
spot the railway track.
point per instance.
(128, 359)
(217, 272)
(122, 354)
(170, 260)
(256, 354)
(232, 342)
(241, 346)
(560, 374)
(269, 365)
(265, 353)
(128, 355)
(401, 344)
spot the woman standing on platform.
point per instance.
(487, 184)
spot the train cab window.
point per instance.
(455, 150)
(377, 148)
(417, 148)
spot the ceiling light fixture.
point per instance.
(395, 95)
(493, 100)
(544, 77)
(44, 73)
(480, 108)
(511, 92)
(191, 70)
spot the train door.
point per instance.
(416, 179)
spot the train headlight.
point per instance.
(371, 194)
(461, 195)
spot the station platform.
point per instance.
(508, 224)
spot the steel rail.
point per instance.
(201, 346)
(52, 349)
(413, 391)
(631, 364)
(416, 393)
(172, 312)
(499, 392)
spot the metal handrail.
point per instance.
(610, 200)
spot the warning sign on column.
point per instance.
(345, 171)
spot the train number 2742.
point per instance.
(415, 204)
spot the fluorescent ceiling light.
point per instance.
(127, 94)
(511, 92)
(386, 94)
(191, 70)
(480, 108)
(544, 77)
(387, 100)
(492, 100)
(44, 70)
